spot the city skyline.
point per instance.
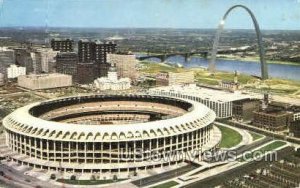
(202, 14)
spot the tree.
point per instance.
(115, 177)
(93, 177)
(53, 176)
(73, 177)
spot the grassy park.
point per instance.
(255, 136)
(230, 137)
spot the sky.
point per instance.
(271, 14)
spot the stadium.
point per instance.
(108, 133)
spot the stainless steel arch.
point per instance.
(264, 68)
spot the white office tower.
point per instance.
(14, 71)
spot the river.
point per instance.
(284, 71)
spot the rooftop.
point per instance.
(209, 94)
(38, 76)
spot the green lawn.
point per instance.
(265, 149)
(272, 146)
(255, 136)
(166, 185)
(87, 182)
(230, 137)
(150, 67)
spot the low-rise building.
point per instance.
(162, 79)
(44, 81)
(181, 78)
(171, 78)
(272, 119)
(295, 128)
(231, 85)
(243, 109)
(218, 100)
(14, 71)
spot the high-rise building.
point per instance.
(110, 47)
(66, 63)
(86, 51)
(2, 80)
(36, 62)
(23, 58)
(47, 59)
(86, 73)
(6, 59)
(62, 45)
(90, 51)
(100, 52)
(125, 64)
(92, 59)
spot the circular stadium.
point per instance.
(108, 133)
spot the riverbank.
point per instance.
(255, 59)
(282, 87)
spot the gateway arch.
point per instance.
(264, 68)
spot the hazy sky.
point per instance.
(271, 14)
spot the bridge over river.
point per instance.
(187, 55)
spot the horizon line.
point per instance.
(170, 28)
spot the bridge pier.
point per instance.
(187, 57)
(163, 58)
